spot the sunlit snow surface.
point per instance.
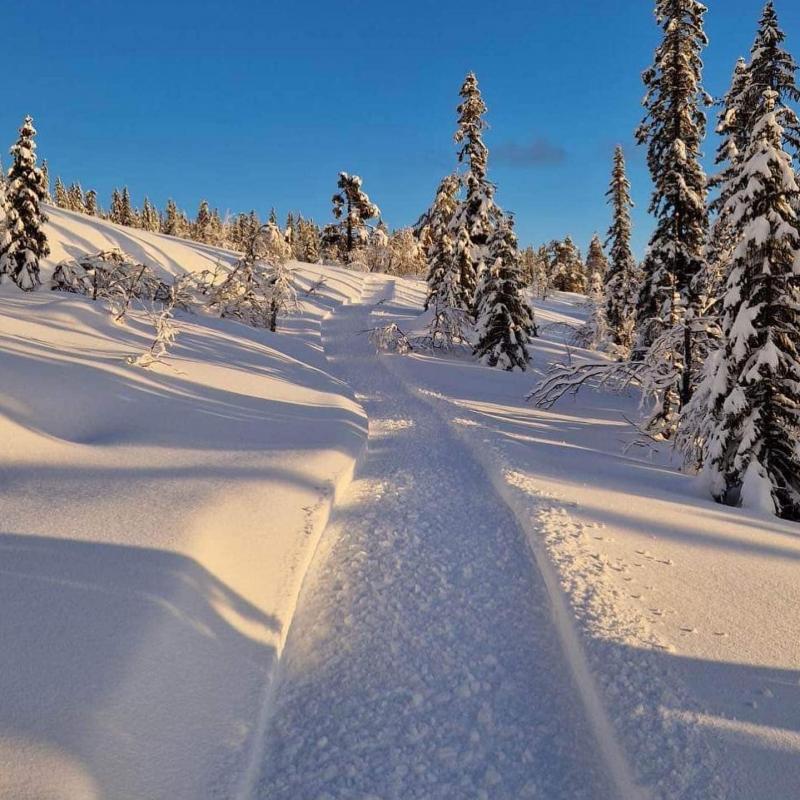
(506, 604)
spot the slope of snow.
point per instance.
(688, 611)
(157, 525)
(423, 662)
(505, 604)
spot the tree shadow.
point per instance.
(742, 737)
(137, 665)
(167, 408)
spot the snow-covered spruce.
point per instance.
(504, 318)
(734, 135)
(568, 272)
(451, 322)
(621, 278)
(594, 333)
(433, 229)
(477, 214)
(353, 209)
(752, 457)
(673, 130)
(772, 68)
(26, 242)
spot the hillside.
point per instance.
(525, 610)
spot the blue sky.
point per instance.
(259, 104)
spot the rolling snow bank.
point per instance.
(156, 527)
(688, 612)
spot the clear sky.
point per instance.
(256, 104)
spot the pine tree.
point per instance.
(752, 456)
(504, 318)
(5, 233)
(594, 334)
(673, 130)
(477, 215)
(450, 321)
(620, 286)
(352, 205)
(307, 249)
(435, 226)
(26, 242)
(62, 199)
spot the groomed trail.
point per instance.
(423, 660)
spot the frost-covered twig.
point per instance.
(566, 379)
(165, 328)
(390, 338)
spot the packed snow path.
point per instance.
(422, 661)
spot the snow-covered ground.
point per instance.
(156, 527)
(504, 604)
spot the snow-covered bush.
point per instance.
(113, 276)
(259, 287)
(163, 317)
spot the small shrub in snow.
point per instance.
(113, 276)
(391, 339)
(259, 287)
(164, 324)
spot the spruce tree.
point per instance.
(75, 198)
(115, 211)
(202, 223)
(92, 209)
(568, 269)
(438, 254)
(46, 180)
(734, 138)
(473, 223)
(128, 214)
(62, 199)
(620, 285)
(751, 456)
(26, 242)
(596, 270)
(673, 130)
(171, 223)
(504, 318)
(771, 67)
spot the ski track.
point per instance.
(423, 660)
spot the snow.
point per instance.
(288, 566)
(157, 527)
(686, 610)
